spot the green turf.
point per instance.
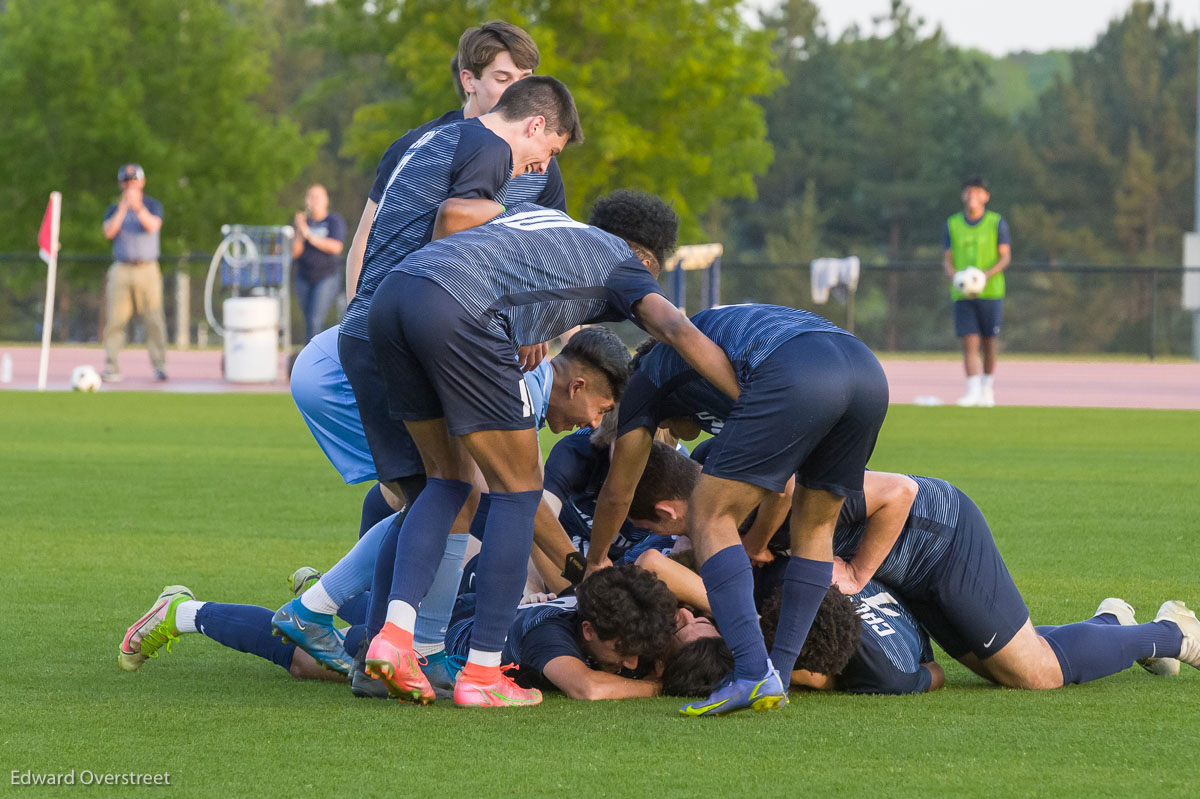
(106, 498)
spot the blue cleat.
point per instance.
(442, 670)
(766, 693)
(314, 633)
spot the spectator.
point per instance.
(316, 248)
(134, 279)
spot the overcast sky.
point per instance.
(1000, 27)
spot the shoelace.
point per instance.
(156, 638)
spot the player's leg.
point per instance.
(990, 316)
(119, 308)
(967, 329)
(148, 295)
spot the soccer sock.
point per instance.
(246, 628)
(354, 610)
(374, 510)
(729, 581)
(805, 583)
(974, 384)
(185, 616)
(1087, 651)
(351, 575)
(989, 382)
(423, 540)
(433, 617)
(481, 667)
(381, 581)
(500, 578)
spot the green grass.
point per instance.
(106, 498)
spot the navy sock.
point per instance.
(805, 583)
(729, 581)
(374, 510)
(422, 539)
(381, 579)
(355, 609)
(246, 628)
(500, 578)
(1087, 651)
(353, 638)
(1102, 619)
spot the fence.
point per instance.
(899, 307)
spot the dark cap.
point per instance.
(130, 172)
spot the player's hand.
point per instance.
(844, 577)
(531, 355)
(133, 199)
(537, 597)
(592, 568)
(300, 222)
(760, 557)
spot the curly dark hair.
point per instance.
(835, 636)
(641, 351)
(639, 218)
(602, 350)
(669, 474)
(696, 668)
(631, 607)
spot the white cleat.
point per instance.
(972, 400)
(1178, 614)
(988, 398)
(1162, 667)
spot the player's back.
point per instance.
(893, 647)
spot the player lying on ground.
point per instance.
(930, 545)
(814, 401)
(445, 325)
(621, 620)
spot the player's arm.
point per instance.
(684, 583)
(552, 541)
(358, 247)
(458, 214)
(1005, 252)
(889, 497)
(112, 225)
(573, 677)
(937, 677)
(630, 453)
(668, 324)
(326, 244)
(948, 262)
(771, 513)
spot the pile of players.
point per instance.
(473, 559)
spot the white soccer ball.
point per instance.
(85, 378)
(970, 281)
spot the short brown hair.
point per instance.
(669, 474)
(542, 95)
(478, 47)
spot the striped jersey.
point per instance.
(927, 535)
(539, 634)
(893, 647)
(533, 273)
(664, 386)
(463, 160)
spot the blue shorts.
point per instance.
(392, 448)
(326, 402)
(969, 602)
(439, 362)
(813, 408)
(977, 318)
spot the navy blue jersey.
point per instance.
(533, 273)
(463, 160)
(539, 634)
(545, 189)
(666, 387)
(926, 538)
(575, 472)
(893, 648)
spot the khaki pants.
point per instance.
(135, 287)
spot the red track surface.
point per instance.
(1100, 384)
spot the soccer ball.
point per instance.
(85, 378)
(970, 281)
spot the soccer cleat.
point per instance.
(148, 634)
(400, 670)
(441, 670)
(1178, 614)
(110, 376)
(987, 398)
(971, 400)
(1124, 613)
(765, 693)
(502, 693)
(160, 375)
(361, 684)
(303, 579)
(314, 633)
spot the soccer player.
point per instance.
(814, 401)
(444, 326)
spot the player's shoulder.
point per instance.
(152, 205)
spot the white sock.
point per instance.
(488, 659)
(317, 600)
(989, 382)
(974, 384)
(402, 614)
(185, 616)
(429, 649)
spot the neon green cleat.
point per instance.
(148, 634)
(303, 579)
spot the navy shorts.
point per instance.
(969, 602)
(392, 448)
(439, 362)
(977, 318)
(813, 408)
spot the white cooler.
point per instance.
(251, 339)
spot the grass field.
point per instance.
(106, 498)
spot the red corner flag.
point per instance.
(46, 242)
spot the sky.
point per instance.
(1000, 27)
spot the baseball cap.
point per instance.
(130, 172)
